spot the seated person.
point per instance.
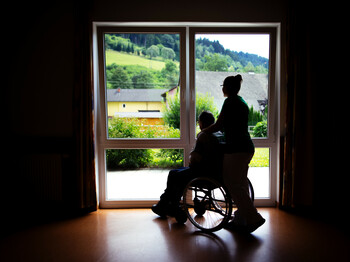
(205, 160)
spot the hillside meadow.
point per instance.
(120, 58)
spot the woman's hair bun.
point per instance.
(239, 77)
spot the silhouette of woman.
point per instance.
(238, 151)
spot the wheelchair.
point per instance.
(207, 203)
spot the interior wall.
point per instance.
(38, 142)
(40, 52)
(196, 10)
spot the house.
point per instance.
(143, 104)
(147, 104)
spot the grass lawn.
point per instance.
(261, 158)
(127, 59)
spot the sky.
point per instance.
(247, 43)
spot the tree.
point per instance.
(152, 51)
(168, 53)
(205, 102)
(143, 80)
(254, 117)
(168, 41)
(249, 67)
(215, 62)
(117, 77)
(119, 47)
(171, 116)
(170, 73)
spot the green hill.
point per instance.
(121, 58)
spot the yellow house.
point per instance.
(145, 104)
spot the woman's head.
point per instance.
(232, 85)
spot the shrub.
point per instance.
(254, 117)
(204, 102)
(168, 158)
(127, 158)
(171, 115)
(138, 158)
(260, 130)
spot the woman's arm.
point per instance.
(217, 126)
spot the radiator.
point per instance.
(42, 174)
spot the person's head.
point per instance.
(232, 85)
(205, 119)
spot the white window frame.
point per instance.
(187, 95)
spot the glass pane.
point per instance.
(221, 55)
(139, 174)
(142, 85)
(259, 172)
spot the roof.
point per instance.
(135, 95)
(254, 86)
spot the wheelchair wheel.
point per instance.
(207, 204)
(250, 190)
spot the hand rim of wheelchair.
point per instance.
(208, 204)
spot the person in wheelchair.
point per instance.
(238, 151)
(205, 160)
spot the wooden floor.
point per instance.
(138, 235)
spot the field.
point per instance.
(261, 158)
(120, 58)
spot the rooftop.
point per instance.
(135, 95)
(254, 88)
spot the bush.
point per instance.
(254, 117)
(205, 102)
(138, 158)
(171, 115)
(127, 158)
(260, 130)
(172, 110)
(168, 158)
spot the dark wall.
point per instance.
(38, 83)
(40, 59)
(196, 10)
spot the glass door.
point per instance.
(154, 81)
(221, 52)
(143, 112)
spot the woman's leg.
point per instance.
(235, 172)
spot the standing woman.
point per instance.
(238, 151)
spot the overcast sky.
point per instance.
(253, 44)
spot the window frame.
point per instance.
(186, 141)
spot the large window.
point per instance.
(153, 82)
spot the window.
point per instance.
(152, 83)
